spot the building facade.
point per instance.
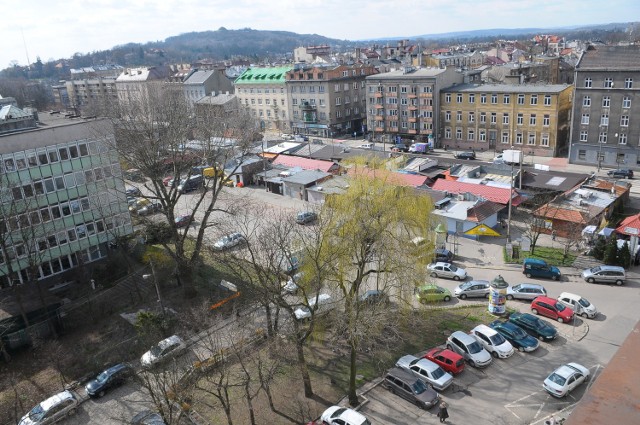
(63, 200)
(329, 100)
(84, 95)
(605, 128)
(530, 118)
(263, 92)
(404, 103)
(204, 83)
(134, 84)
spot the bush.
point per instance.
(599, 248)
(624, 255)
(611, 252)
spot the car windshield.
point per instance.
(102, 377)
(497, 339)
(226, 239)
(474, 347)
(437, 373)
(595, 269)
(419, 387)
(560, 306)
(557, 379)
(539, 324)
(156, 350)
(453, 268)
(518, 333)
(467, 285)
(584, 302)
(36, 413)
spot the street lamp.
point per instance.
(155, 282)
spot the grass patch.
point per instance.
(553, 256)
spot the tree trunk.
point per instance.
(184, 277)
(252, 416)
(353, 397)
(267, 310)
(304, 369)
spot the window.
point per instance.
(606, 101)
(64, 154)
(532, 119)
(338, 101)
(506, 99)
(585, 119)
(584, 135)
(482, 136)
(604, 119)
(586, 101)
(459, 115)
(459, 98)
(520, 119)
(626, 102)
(547, 100)
(505, 137)
(447, 133)
(602, 138)
(483, 98)
(505, 118)
(73, 151)
(544, 139)
(447, 116)
(472, 117)
(483, 117)
(624, 121)
(458, 133)
(628, 83)
(622, 139)
(471, 135)
(43, 158)
(447, 98)
(520, 99)
(472, 98)
(582, 154)
(336, 88)
(494, 99)
(588, 83)
(534, 99)
(532, 139)
(608, 83)
(518, 138)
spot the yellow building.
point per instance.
(531, 118)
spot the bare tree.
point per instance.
(531, 225)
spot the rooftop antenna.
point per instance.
(25, 48)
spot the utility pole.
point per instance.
(155, 282)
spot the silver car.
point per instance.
(525, 291)
(447, 270)
(426, 370)
(605, 274)
(52, 410)
(473, 289)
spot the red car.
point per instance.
(447, 359)
(551, 308)
(183, 221)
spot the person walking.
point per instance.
(443, 413)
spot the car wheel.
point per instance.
(591, 280)
(554, 278)
(472, 363)
(560, 320)
(534, 311)
(528, 275)
(449, 347)
(619, 282)
(456, 278)
(521, 349)
(447, 298)
(509, 297)
(541, 338)
(585, 315)
(494, 354)
(463, 296)
(434, 274)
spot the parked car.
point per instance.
(432, 293)
(190, 184)
(229, 241)
(427, 371)
(110, 378)
(147, 417)
(450, 361)
(443, 255)
(493, 342)
(605, 274)
(565, 378)
(150, 208)
(338, 415)
(182, 221)
(473, 289)
(404, 383)
(52, 410)
(168, 181)
(621, 173)
(534, 326)
(139, 203)
(374, 296)
(515, 335)
(525, 291)
(447, 270)
(305, 217)
(132, 191)
(469, 348)
(165, 349)
(324, 305)
(578, 304)
(534, 267)
(366, 146)
(466, 155)
(552, 309)
(291, 285)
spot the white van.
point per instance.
(579, 305)
(324, 301)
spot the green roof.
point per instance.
(264, 75)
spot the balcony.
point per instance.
(413, 108)
(377, 94)
(412, 95)
(412, 131)
(413, 119)
(379, 106)
(378, 129)
(426, 95)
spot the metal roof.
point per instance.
(275, 75)
(306, 177)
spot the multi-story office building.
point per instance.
(605, 128)
(263, 91)
(63, 200)
(404, 103)
(86, 95)
(531, 118)
(328, 100)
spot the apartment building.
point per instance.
(531, 118)
(63, 200)
(134, 83)
(470, 60)
(201, 83)
(404, 103)
(328, 100)
(263, 91)
(605, 128)
(86, 95)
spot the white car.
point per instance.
(579, 305)
(291, 285)
(52, 410)
(565, 378)
(427, 371)
(166, 348)
(447, 270)
(493, 342)
(338, 415)
(324, 301)
(229, 241)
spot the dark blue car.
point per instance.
(110, 378)
(515, 335)
(534, 326)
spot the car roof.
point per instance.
(545, 299)
(353, 417)
(400, 373)
(566, 370)
(172, 340)
(116, 368)
(485, 330)
(445, 352)
(464, 337)
(56, 399)
(530, 285)
(440, 263)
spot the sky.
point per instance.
(53, 29)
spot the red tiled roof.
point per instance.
(480, 212)
(562, 214)
(490, 193)
(632, 222)
(399, 179)
(304, 163)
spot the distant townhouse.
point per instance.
(403, 104)
(605, 128)
(134, 83)
(328, 100)
(456, 59)
(263, 91)
(204, 83)
(531, 118)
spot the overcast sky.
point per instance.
(54, 29)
